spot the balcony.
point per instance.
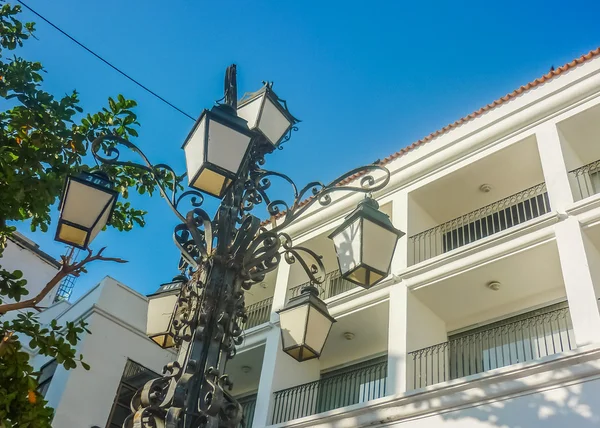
(480, 223)
(340, 388)
(333, 285)
(475, 199)
(258, 313)
(248, 404)
(585, 180)
(516, 340)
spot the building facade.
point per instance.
(121, 357)
(490, 315)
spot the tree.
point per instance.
(42, 140)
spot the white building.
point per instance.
(490, 317)
(37, 266)
(121, 357)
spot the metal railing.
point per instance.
(339, 389)
(586, 180)
(523, 340)
(248, 404)
(333, 285)
(478, 224)
(258, 313)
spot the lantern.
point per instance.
(215, 150)
(86, 206)
(266, 113)
(163, 311)
(365, 244)
(305, 324)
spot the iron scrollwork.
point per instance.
(222, 257)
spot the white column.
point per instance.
(281, 289)
(279, 370)
(554, 167)
(400, 221)
(397, 339)
(578, 282)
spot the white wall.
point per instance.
(116, 316)
(36, 271)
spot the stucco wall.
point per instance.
(36, 271)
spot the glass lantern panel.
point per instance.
(250, 111)
(84, 204)
(293, 326)
(347, 246)
(307, 354)
(72, 234)
(359, 276)
(378, 246)
(164, 340)
(226, 146)
(194, 151)
(211, 182)
(295, 352)
(272, 122)
(101, 222)
(374, 277)
(317, 329)
(160, 312)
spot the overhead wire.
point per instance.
(114, 67)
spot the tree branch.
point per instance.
(66, 269)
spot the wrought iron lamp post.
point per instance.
(201, 311)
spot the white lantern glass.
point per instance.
(162, 312)
(365, 244)
(86, 206)
(305, 324)
(215, 150)
(264, 112)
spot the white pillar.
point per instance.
(578, 282)
(279, 370)
(400, 221)
(397, 339)
(554, 167)
(281, 289)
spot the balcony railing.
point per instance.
(248, 404)
(333, 285)
(339, 389)
(483, 222)
(586, 180)
(525, 339)
(258, 313)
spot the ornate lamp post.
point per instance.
(201, 312)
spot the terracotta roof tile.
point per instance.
(545, 78)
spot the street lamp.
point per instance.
(266, 113)
(163, 311)
(202, 312)
(365, 244)
(86, 206)
(215, 150)
(305, 324)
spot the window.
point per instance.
(134, 377)
(45, 377)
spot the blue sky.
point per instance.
(365, 78)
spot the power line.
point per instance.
(108, 63)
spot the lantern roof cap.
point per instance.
(267, 89)
(368, 208)
(309, 295)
